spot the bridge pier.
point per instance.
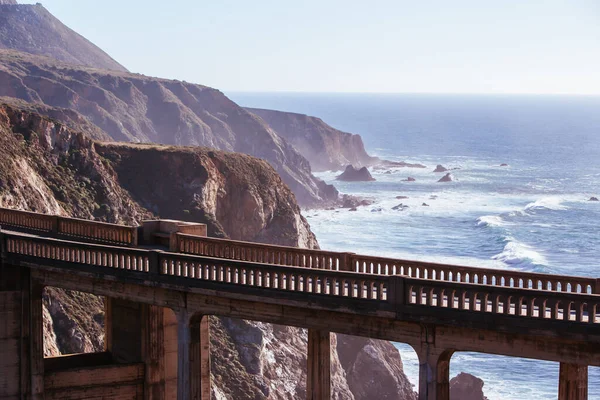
(319, 365)
(193, 356)
(21, 335)
(434, 367)
(573, 382)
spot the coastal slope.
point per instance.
(325, 147)
(32, 29)
(136, 108)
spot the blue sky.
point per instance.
(432, 46)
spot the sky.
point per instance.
(388, 46)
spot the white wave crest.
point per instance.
(490, 220)
(516, 252)
(548, 203)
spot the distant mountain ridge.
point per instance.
(136, 108)
(32, 29)
(325, 147)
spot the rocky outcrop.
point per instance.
(440, 168)
(373, 369)
(593, 199)
(325, 147)
(32, 29)
(352, 174)
(47, 167)
(236, 195)
(466, 387)
(447, 178)
(409, 179)
(135, 108)
(350, 201)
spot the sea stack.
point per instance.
(466, 387)
(440, 168)
(352, 174)
(447, 178)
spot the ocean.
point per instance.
(531, 215)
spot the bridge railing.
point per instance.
(27, 220)
(282, 255)
(69, 227)
(482, 276)
(86, 254)
(263, 253)
(530, 303)
(291, 256)
(388, 292)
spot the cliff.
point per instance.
(46, 166)
(32, 29)
(325, 147)
(135, 108)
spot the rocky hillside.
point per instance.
(32, 29)
(45, 166)
(135, 108)
(325, 147)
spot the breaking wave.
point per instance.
(520, 255)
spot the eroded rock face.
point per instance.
(325, 147)
(352, 174)
(466, 387)
(373, 369)
(135, 108)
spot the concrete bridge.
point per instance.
(163, 280)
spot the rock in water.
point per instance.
(401, 197)
(409, 179)
(440, 168)
(447, 178)
(352, 174)
(466, 387)
(593, 199)
(504, 165)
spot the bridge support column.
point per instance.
(319, 365)
(434, 376)
(21, 335)
(573, 382)
(434, 367)
(193, 357)
(200, 357)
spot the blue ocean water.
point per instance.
(532, 215)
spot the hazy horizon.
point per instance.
(431, 47)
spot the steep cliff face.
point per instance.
(49, 168)
(136, 108)
(325, 147)
(236, 195)
(32, 29)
